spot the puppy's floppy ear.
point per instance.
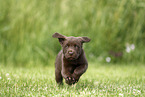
(57, 35)
(60, 37)
(85, 39)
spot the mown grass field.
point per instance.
(99, 80)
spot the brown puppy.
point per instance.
(71, 61)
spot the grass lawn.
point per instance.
(99, 80)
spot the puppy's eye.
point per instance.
(66, 46)
(76, 46)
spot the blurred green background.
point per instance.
(116, 29)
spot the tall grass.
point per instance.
(26, 28)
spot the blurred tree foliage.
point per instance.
(26, 28)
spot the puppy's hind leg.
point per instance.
(58, 77)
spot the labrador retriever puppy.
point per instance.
(71, 61)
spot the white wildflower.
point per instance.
(128, 49)
(7, 74)
(132, 46)
(108, 59)
(0, 77)
(93, 91)
(120, 94)
(139, 91)
(8, 78)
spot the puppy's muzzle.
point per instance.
(70, 52)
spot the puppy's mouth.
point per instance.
(71, 58)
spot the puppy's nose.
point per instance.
(70, 52)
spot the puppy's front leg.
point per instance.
(66, 73)
(79, 71)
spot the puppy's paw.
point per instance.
(70, 80)
(76, 78)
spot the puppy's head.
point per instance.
(72, 46)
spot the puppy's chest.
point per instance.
(72, 67)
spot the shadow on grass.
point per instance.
(81, 85)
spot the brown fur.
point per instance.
(71, 61)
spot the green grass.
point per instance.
(99, 80)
